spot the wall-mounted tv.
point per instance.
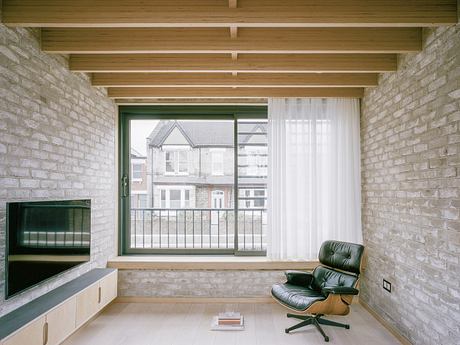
(44, 239)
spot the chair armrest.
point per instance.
(339, 290)
(299, 278)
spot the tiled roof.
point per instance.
(212, 133)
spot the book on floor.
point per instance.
(228, 321)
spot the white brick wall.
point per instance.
(56, 142)
(197, 283)
(411, 191)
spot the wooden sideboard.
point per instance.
(51, 318)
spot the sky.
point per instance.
(140, 130)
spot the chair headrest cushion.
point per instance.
(344, 256)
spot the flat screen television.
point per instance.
(44, 239)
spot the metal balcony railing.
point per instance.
(204, 229)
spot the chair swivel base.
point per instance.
(315, 320)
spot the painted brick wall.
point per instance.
(411, 191)
(204, 283)
(56, 142)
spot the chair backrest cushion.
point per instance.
(341, 255)
(324, 276)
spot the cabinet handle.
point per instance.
(45, 333)
(99, 297)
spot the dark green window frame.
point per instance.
(198, 112)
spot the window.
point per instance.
(138, 200)
(217, 199)
(137, 172)
(169, 159)
(256, 160)
(176, 162)
(253, 198)
(174, 198)
(259, 198)
(203, 180)
(217, 162)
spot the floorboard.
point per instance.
(181, 324)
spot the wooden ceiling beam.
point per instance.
(232, 3)
(152, 92)
(191, 101)
(249, 40)
(240, 80)
(274, 63)
(213, 13)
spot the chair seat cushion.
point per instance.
(296, 297)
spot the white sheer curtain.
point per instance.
(314, 183)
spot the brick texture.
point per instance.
(411, 191)
(200, 283)
(57, 137)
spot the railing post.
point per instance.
(151, 229)
(135, 228)
(159, 227)
(252, 228)
(185, 228)
(201, 228)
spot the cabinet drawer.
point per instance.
(32, 334)
(109, 288)
(61, 322)
(88, 304)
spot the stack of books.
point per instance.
(228, 321)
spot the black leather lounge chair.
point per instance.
(328, 290)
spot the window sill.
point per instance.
(208, 262)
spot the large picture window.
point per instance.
(203, 177)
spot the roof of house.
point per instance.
(213, 133)
(136, 154)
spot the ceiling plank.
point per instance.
(253, 40)
(228, 80)
(152, 92)
(287, 63)
(212, 13)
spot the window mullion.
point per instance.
(235, 184)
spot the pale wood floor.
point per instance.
(180, 324)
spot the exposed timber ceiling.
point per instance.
(152, 51)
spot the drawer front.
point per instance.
(61, 322)
(32, 334)
(109, 288)
(88, 304)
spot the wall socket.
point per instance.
(387, 285)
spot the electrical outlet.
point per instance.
(387, 285)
